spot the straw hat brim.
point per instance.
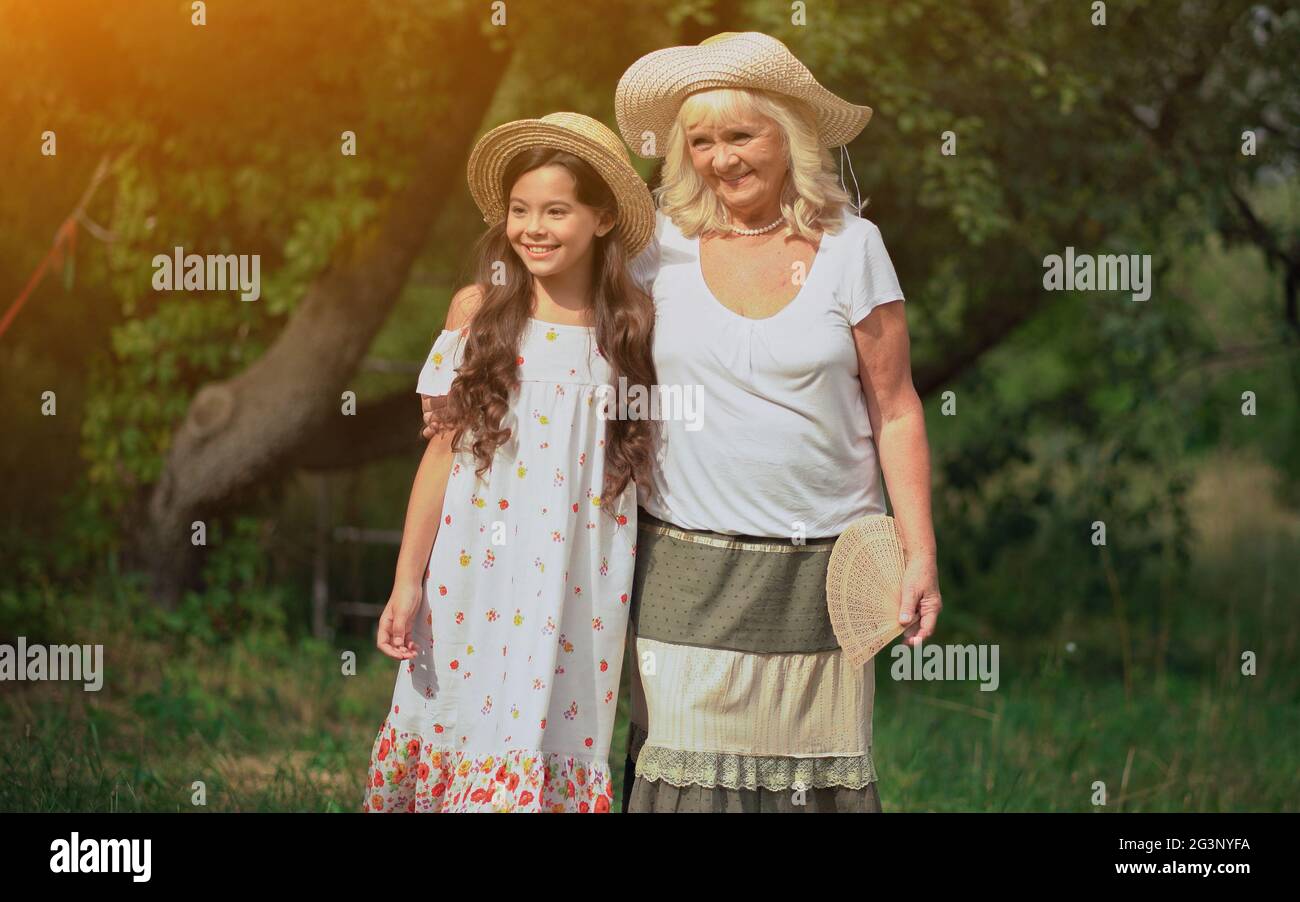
(488, 161)
(652, 90)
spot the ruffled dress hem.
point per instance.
(409, 774)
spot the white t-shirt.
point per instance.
(781, 434)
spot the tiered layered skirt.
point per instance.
(742, 698)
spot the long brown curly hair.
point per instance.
(624, 325)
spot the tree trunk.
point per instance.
(240, 432)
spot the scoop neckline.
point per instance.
(813, 268)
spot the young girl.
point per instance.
(511, 633)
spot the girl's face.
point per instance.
(549, 228)
(743, 160)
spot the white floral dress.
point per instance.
(510, 702)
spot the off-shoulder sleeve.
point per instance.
(872, 280)
(440, 368)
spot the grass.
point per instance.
(268, 724)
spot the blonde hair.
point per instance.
(811, 199)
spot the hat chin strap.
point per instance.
(857, 194)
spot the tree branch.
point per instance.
(243, 430)
(381, 429)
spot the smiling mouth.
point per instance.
(540, 250)
(738, 179)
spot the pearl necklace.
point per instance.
(767, 228)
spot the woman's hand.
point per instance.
(921, 601)
(394, 637)
(429, 404)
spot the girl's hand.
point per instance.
(394, 637)
(921, 600)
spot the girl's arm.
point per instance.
(423, 517)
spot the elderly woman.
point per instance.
(783, 305)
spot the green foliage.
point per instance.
(216, 165)
(157, 362)
(237, 597)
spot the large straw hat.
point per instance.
(864, 587)
(651, 91)
(581, 136)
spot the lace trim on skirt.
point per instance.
(732, 771)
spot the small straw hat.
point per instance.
(651, 91)
(864, 587)
(581, 136)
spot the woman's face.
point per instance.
(549, 228)
(743, 161)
